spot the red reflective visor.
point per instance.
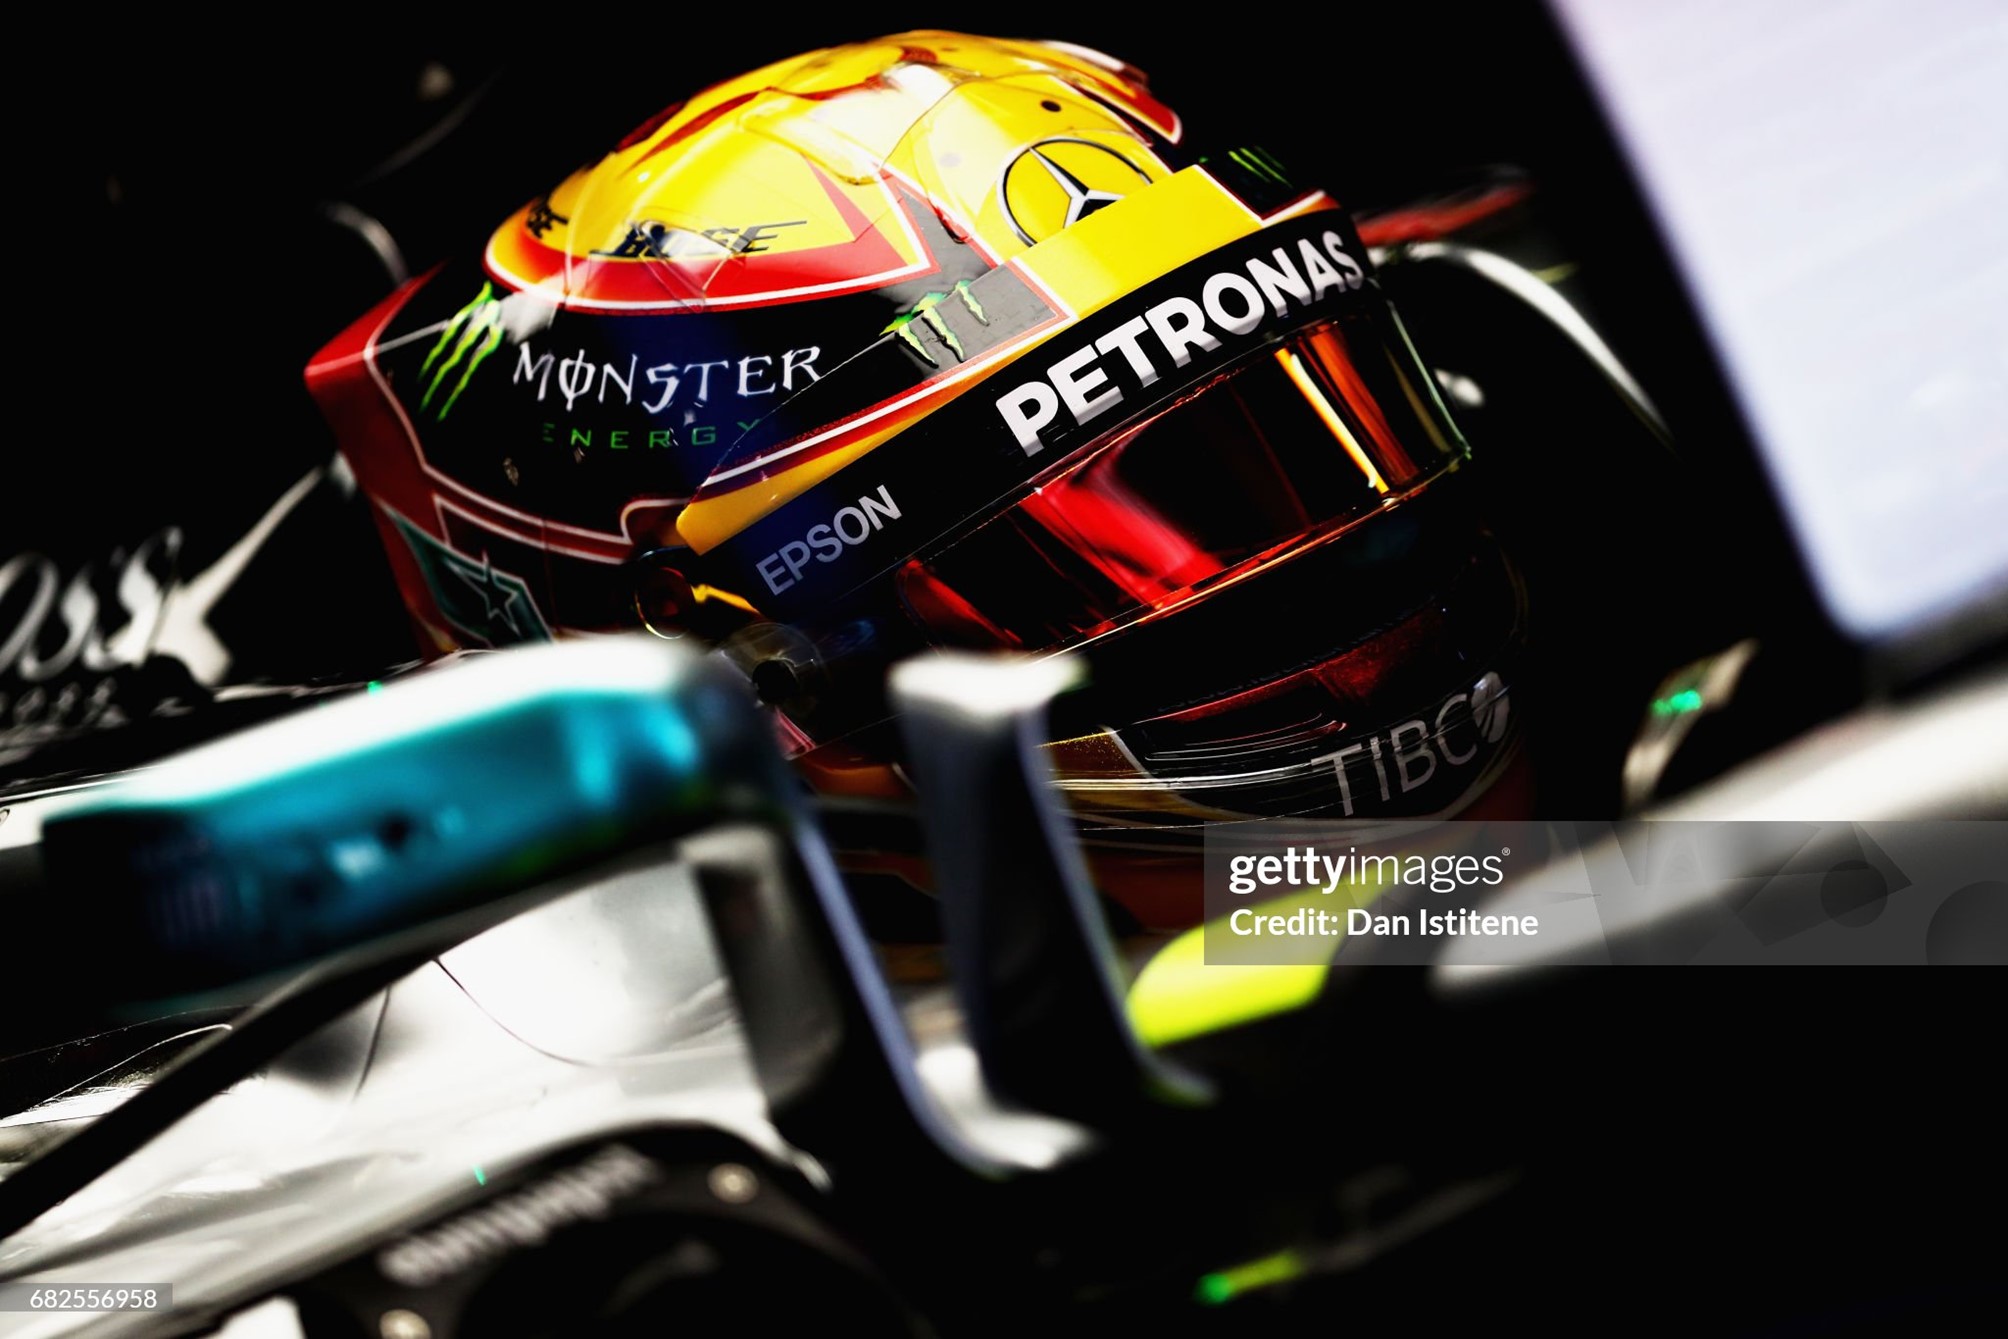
(1311, 435)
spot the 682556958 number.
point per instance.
(85, 1296)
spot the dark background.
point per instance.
(182, 265)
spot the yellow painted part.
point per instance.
(682, 188)
(942, 110)
(1179, 995)
(1119, 249)
(990, 123)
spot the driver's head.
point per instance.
(940, 340)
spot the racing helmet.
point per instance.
(941, 340)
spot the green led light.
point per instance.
(1679, 704)
(480, 1177)
(1225, 1285)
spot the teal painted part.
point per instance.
(258, 875)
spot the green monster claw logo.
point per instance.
(924, 311)
(474, 332)
(1262, 163)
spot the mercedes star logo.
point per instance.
(1058, 182)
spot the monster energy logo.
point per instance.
(473, 333)
(579, 374)
(1253, 174)
(1262, 163)
(924, 312)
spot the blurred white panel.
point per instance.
(1833, 178)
